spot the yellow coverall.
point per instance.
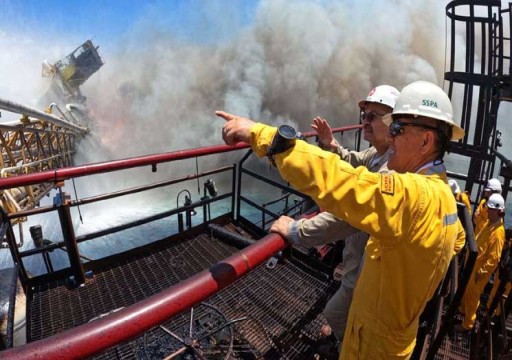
(480, 216)
(490, 242)
(497, 282)
(462, 197)
(413, 225)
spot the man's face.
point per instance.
(406, 145)
(374, 130)
(494, 214)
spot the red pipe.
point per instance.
(99, 335)
(90, 169)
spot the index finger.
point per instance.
(226, 116)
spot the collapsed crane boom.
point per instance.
(41, 140)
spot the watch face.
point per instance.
(287, 132)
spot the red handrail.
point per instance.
(91, 169)
(97, 168)
(101, 334)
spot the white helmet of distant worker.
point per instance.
(496, 201)
(382, 94)
(493, 185)
(454, 186)
(423, 98)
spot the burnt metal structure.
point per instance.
(479, 73)
(74, 69)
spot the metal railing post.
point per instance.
(7, 232)
(68, 232)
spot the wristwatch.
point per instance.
(283, 140)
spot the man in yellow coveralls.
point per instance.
(325, 228)
(502, 274)
(493, 186)
(490, 241)
(411, 217)
(460, 196)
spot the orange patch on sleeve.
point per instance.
(387, 185)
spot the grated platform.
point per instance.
(277, 312)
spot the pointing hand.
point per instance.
(236, 128)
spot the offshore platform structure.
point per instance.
(480, 73)
(45, 140)
(73, 71)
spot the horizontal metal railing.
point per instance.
(63, 174)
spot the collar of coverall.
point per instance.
(432, 168)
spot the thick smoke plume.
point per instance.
(298, 59)
(295, 60)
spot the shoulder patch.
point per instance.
(387, 185)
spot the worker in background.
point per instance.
(325, 228)
(490, 242)
(411, 215)
(502, 274)
(460, 196)
(493, 186)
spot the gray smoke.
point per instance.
(297, 60)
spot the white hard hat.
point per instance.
(496, 201)
(423, 98)
(454, 186)
(383, 94)
(493, 185)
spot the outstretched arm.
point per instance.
(321, 229)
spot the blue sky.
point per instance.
(33, 31)
(110, 21)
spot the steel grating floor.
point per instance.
(276, 311)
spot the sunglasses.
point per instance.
(397, 127)
(369, 116)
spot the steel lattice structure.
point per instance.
(38, 142)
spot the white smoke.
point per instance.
(297, 60)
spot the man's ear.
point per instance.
(429, 142)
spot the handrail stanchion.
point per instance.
(234, 193)
(68, 232)
(7, 232)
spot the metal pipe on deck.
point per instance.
(98, 335)
(26, 110)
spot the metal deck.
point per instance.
(278, 310)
